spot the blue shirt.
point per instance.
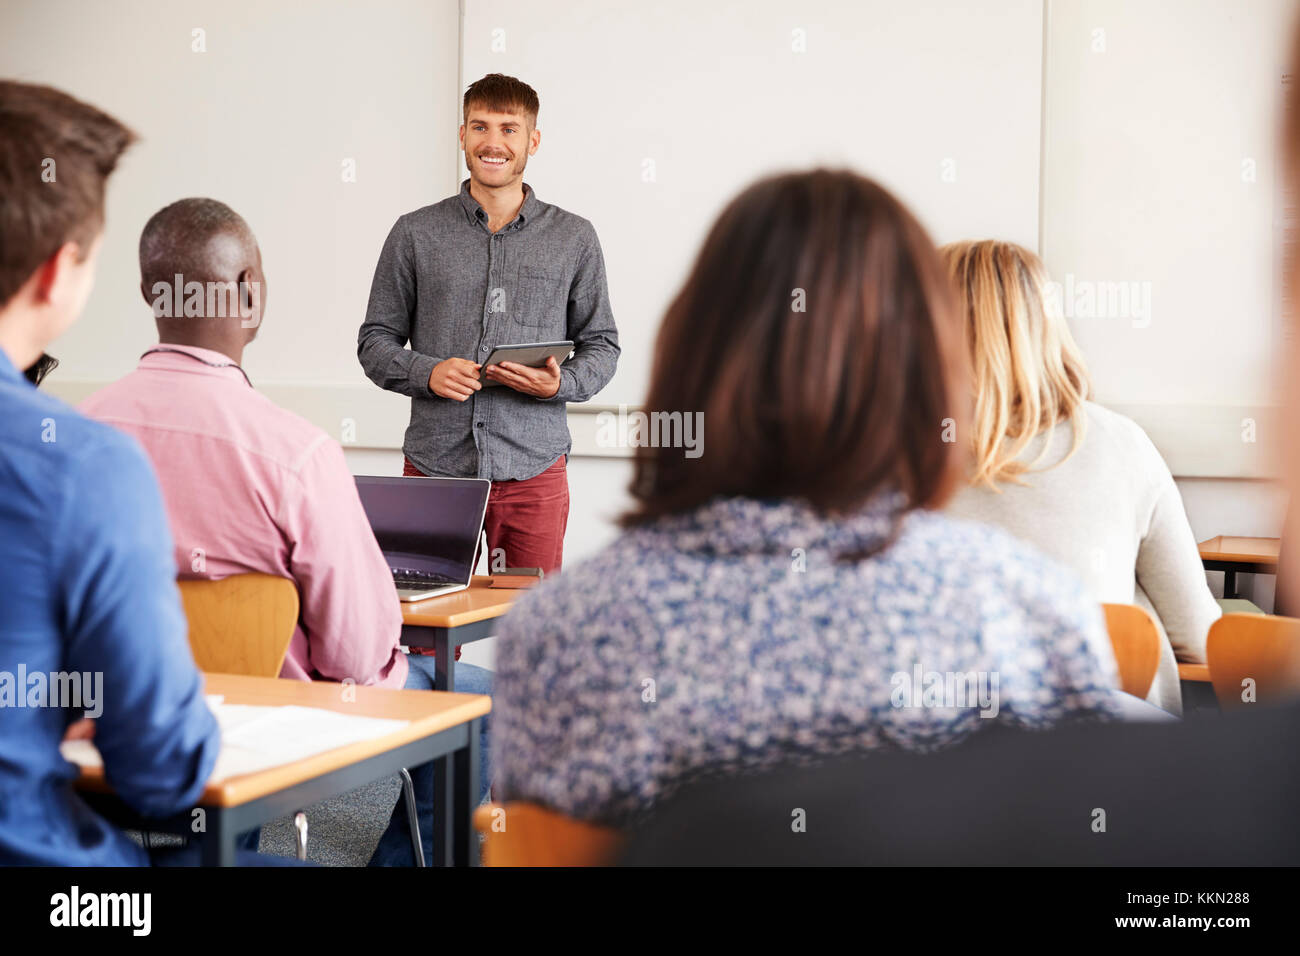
(90, 620)
(750, 633)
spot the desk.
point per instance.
(443, 727)
(1232, 554)
(461, 618)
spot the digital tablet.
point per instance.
(533, 355)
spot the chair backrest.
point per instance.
(1136, 641)
(241, 624)
(525, 834)
(1260, 647)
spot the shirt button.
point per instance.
(478, 424)
(483, 348)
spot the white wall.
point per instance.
(1159, 166)
(263, 120)
(1141, 178)
(655, 115)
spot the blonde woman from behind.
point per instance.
(1081, 483)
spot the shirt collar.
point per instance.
(166, 357)
(476, 213)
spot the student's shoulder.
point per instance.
(69, 435)
(300, 445)
(967, 553)
(70, 451)
(1118, 431)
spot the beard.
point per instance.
(512, 168)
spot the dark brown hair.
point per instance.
(47, 204)
(863, 392)
(498, 93)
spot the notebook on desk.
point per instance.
(428, 529)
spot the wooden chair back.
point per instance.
(1136, 640)
(525, 834)
(241, 624)
(1260, 648)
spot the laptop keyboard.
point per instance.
(410, 578)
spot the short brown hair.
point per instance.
(42, 211)
(498, 93)
(830, 405)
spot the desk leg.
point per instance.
(444, 802)
(1229, 585)
(218, 844)
(444, 666)
(466, 763)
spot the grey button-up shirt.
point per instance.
(451, 288)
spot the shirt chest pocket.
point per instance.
(540, 301)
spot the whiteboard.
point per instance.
(1160, 174)
(653, 116)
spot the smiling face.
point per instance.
(497, 146)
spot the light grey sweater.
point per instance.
(1113, 514)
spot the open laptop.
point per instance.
(428, 529)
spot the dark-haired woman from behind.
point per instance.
(791, 593)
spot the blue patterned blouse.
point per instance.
(749, 632)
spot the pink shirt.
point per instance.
(250, 486)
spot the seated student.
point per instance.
(250, 486)
(1083, 484)
(89, 605)
(778, 595)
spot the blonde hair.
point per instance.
(1028, 374)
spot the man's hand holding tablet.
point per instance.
(532, 369)
(541, 382)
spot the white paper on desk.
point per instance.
(256, 738)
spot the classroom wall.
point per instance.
(265, 118)
(1159, 168)
(655, 115)
(1140, 145)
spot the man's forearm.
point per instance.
(390, 365)
(590, 370)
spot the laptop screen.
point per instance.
(427, 525)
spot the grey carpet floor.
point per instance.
(342, 831)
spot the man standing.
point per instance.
(493, 266)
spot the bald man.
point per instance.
(250, 486)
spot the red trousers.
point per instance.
(525, 520)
